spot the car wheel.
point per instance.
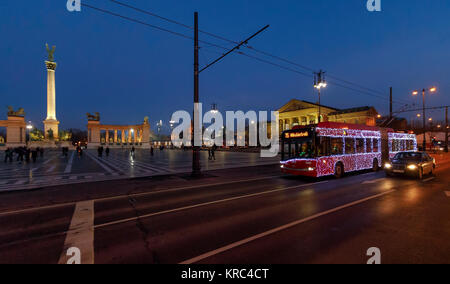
(339, 170)
(375, 166)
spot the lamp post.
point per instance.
(319, 83)
(29, 128)
(415, 93)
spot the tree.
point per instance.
(65, 136)
(36, 135)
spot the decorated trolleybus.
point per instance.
(331, 148)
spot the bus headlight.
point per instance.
(388, 166)
(412, 167)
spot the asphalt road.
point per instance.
(238, 216)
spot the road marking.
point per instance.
(51, 169)
(204, 204)
(81, 233)
(447, 193)
(48, 161)
(100, 163)
(69, 164)
(373, 181)
(128, 195)
(282, 228)
(429, 179)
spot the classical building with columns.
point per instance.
(117, 136)
(298, 112)
(15, 130)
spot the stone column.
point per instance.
(123, 136)
(107, 136)
(115, 136)
(51, 123)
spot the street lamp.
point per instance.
(29, 128)
(319, 83)
(415, 93)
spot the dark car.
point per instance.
(416, 164)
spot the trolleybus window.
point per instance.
(337, 146)
(376, 145)
(349, 146)
(324, 146)
(369, 146)
(360, 145)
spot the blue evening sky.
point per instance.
(127, 71)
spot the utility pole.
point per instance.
(446, 129)
(196, 168)
(390, 104)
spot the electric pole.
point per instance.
(196, 168)
(390, 104)
(446, 129)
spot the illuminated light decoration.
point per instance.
(403, 138)
(325, 166)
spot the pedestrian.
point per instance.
(34, 154)
(27, 155)
(79, 151)
(100, 152)
(107, 151)
(7, 152)
(213, 152)
(41, 152)
(151, 151)
(209, 154)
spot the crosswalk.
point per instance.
(55, 169)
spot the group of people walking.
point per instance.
(100, 151)
(23, 154)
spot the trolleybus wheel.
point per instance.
(339, 170)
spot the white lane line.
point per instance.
(282, 228)
(204, 204)
(100, 163)
(69, 164)
(20, 182)
(48, 161)
(51, 169)
(80, 234)
(429, 179)
(447, 193)
(373, 181)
